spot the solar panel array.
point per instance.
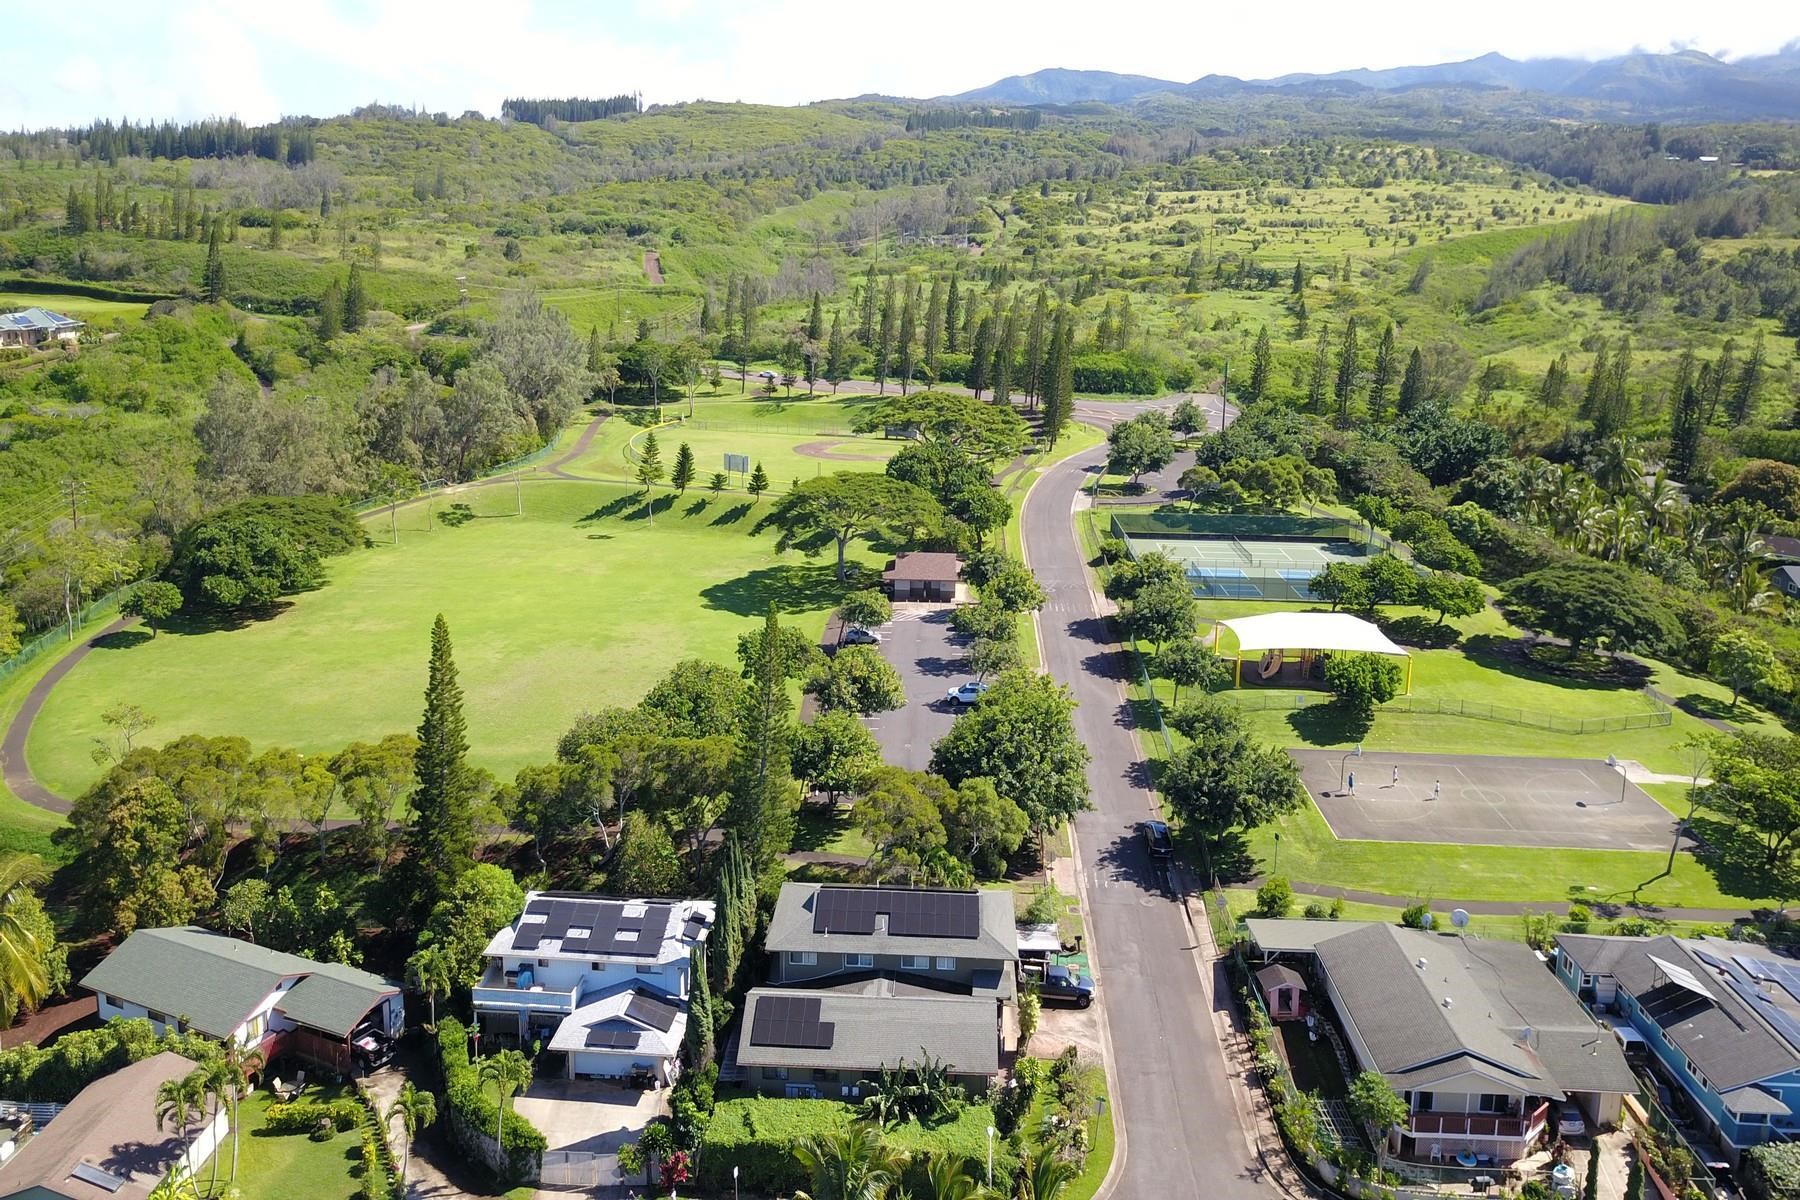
(909, 913)
(612, 1037)
(1747, 976)
(648, 1010)
(791, 1021)
(603, 920)
(100, 1177)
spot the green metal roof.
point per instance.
(215, 981)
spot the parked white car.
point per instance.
(966, 693)
(856, 635)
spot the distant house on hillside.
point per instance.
(1787, 579)
(35, 326)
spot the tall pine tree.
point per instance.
(884, 336)
(815, 320)
(934, 327)
(909, 334)
(1059, 377)
(214, 278)
(1381, 379)
(331, 311)
(837, 364)
(865, 327)
(1748, 382)
(356, 300)
(1344, 388)
(700, 1013)
(952, 314)
(442, 837)
(981, 355)
(763, 794)
(1412, 384)
(1687, 420)
(1005, 350)
(1035, 348)
(1262, 364)
(1318, 381)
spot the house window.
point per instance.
(159, 1018)
(946, 964)
(803, 958)
(254, 1027)
(821, 1075)
(108, 1001)
(643, 970)
(1496, 1104)
(543, 962)
(774, 1072)
(915, 962)
(859, 960)
(1421, 1101)
(594, 966)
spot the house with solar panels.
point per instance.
(1721, 1020)
(862, 978)
(601, 982)
(33, 327)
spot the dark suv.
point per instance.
(1157, 839)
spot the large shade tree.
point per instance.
(1021, 736)
(838, 508)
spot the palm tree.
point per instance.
(213, 1081)
(433, 972)
(948, 1177)
(177, 1102)
(1616, 466)
(1748, 592)
(510, 1072)
(23, 981)
(1662, 503)
(853, 1165)
(416, 1110)
(1044, 1174)
(241, 1064)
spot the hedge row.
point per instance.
(304, 1116)
(472, 1111)
(75, 1060)
(758, 1135)
(70, 287)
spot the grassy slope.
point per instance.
(582, 603)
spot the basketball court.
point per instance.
(1481, 800)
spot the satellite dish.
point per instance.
(1459, 918)
(1428, 920)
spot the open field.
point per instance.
(84, 308)
(583, 602)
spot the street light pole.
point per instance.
(734, 1184)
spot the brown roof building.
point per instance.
(924, 575)
(105, 1145)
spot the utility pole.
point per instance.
(75, 489)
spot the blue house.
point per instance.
(1720, 1019)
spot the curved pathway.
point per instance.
(824, 450)
(13, 766)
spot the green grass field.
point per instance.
(583, 602)
(271, 1167)
(82, 308)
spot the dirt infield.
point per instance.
(824, 450)
(1483, 800)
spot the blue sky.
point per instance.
(192, 58)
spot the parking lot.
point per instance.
(930, 659)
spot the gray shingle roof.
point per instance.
(1505, 1015)
(1295, 937)
(925, 566)
(37, 318)
(1726, 1038)
(873, 1030)
(791, 928)
(216, 981)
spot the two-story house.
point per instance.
(862, 978)
(335, 1016)
(1475, 1035)
(599, 980)
(1721, 1020)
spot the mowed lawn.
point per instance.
(82, 308)
(582, 602)
(272, 1167)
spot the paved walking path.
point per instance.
(14, 768)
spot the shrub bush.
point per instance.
(758, 1135)
(305, 1116)
(473, 1113)
(73, 1061)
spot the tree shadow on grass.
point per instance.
(1329, 724)
(1711, 708)
(1421, 632)
(1232, 861)
(612, 508)
(732, 515)
(696, 508)
(1738, 860)
(819, 825)
(123, 639)
(1545, 662)
(789, 586)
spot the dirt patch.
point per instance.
(653, 267)
(824, 450)
(1061, 1026)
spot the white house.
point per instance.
(601, 980)
(335, 1016)
(35, 326)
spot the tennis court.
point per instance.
(1233, 568)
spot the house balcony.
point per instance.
(499, 990)
(1506, 1127)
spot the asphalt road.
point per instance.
(1183, 1134)
(931, 660)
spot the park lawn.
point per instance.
(616, 450)
(1435, 870)
(82, 308)
(272, 1167)
(583, 602)
(1242, 903)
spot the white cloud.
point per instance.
(206, 57)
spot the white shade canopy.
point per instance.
(1310, 631)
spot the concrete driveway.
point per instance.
(588, 1115)
(931, 660)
